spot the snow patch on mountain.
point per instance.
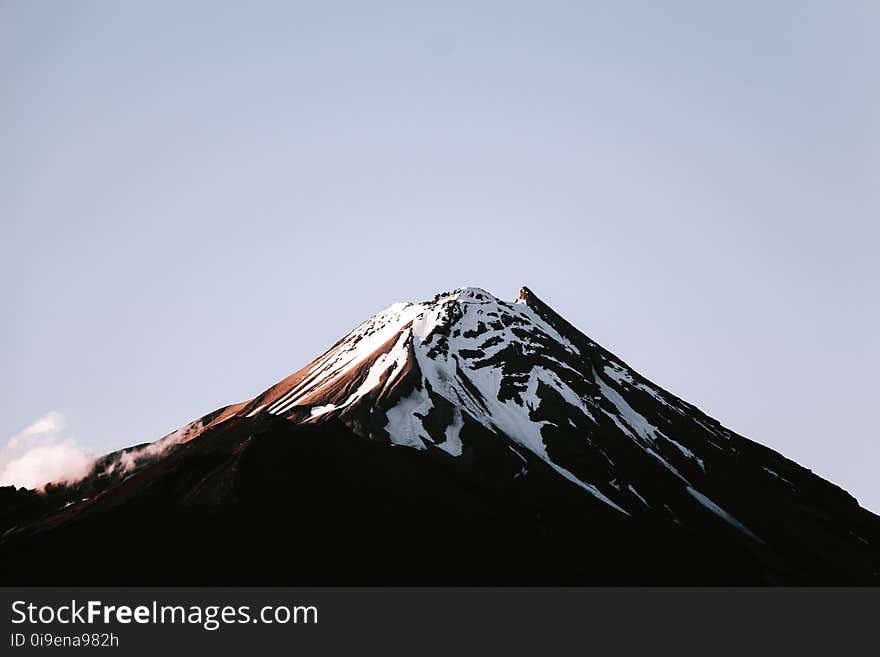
(714, 508)
(405, 425)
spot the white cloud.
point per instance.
(44, 463)
(39, 454)
(51, 423)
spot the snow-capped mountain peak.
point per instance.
(464, 430)
(436, 375)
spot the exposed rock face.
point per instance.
(464, 439)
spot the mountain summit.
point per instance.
(464, 439)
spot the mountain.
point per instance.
(462, 440)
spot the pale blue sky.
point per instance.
(199, 198)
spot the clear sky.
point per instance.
(199, 198)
